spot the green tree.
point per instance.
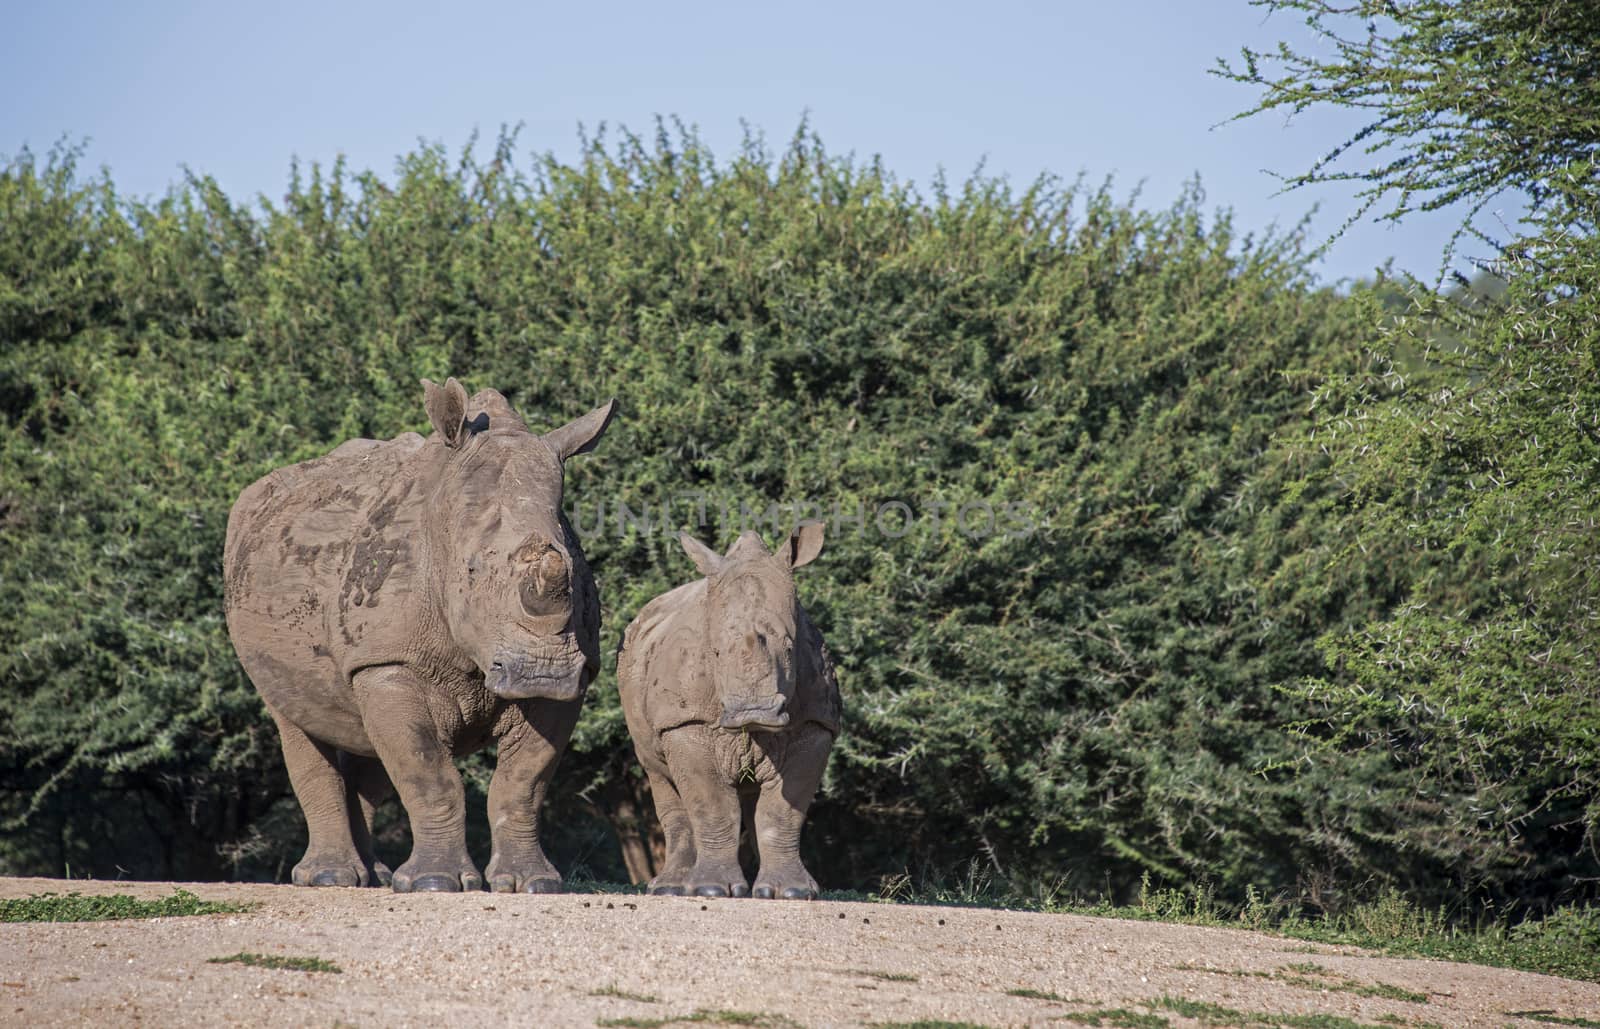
(1474, 433)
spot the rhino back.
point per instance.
(320, 575)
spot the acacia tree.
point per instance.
(1474, 432)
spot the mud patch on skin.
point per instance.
(374, 557)
(370, 565)
(307, 606)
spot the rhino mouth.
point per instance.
(763, 714)
(518, 678)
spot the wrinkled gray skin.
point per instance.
(731, 700)
(399, 603)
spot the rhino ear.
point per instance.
(447, 410)
(707, 560)
(580, 435)
(805, 543)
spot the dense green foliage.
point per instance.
(75, 907)
(1081, 704)
(1471, 438)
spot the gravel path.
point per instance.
(581, 960)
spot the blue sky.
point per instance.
(1106, 89)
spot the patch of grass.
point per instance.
(293, 964)
(77, 907)
(1314, 977)
(1217, 1015)
(704, 1015)
(585, 885)
(613, 991)
(888, 977)
(1565, 943)
(1551, 1018)
(1118, 1018)
(929, 1023)
(1032, 994)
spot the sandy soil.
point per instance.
(579, 960)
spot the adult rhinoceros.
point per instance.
(398, 603)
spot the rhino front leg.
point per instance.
(673, 879)
(395, 712)
(367, 786)
(781, 813)
(535, 734)
(713, 809)
(332, 858)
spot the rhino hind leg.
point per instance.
(673, 879)
(713, 809)
(395, 713)
(368, 785)
(530, 745)
(332, 857)
(781, 813)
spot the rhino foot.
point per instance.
(382, 874)
(793, 883)
(414, 877)
(530, 875)
(543, 886)
(320, 871)
(508, 883)
(765, 892)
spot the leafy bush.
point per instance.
(1080, 701)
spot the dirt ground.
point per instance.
(584, 959)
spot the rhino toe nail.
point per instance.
(334, 877)
(503, 884)
(741, 890)
(763, 892)
(711, 890)
(542, 886)
(381, 874)
(799, 893)
(667, 891)
(436, 884)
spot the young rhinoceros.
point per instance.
(409, 601)
(728, 689)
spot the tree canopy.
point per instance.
(1472, 436)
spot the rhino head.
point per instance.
(752, 622)
(512, 587)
